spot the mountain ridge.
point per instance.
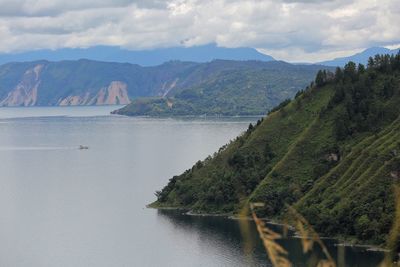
(153, 57)
(158, 56)
(87, 82)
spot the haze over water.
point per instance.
(61, 206)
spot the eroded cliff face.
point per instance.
(26, 91)
(167, 87)
(116, 93)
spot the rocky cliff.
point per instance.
(115, 93)
(25, 92)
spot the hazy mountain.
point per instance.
(361, 57)
(153, 57)
(84, 82)
(231, 85)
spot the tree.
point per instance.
(361, 68)
(342, 126)
(338, 75)
(298, 94)
(268, 153)
(339, 94)
(371, 63)
(320, 79)
(388, 88)
(350, 71)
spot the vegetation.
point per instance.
(333, 153)
(248, 88)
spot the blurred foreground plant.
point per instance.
(393, 242)
(278, 255)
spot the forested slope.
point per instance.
(332, 152)
(228, 88)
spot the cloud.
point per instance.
(288, 29)
(56, 7)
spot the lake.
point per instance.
(61, 206)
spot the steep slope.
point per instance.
(26, 91)
(153, 57)
(240, 88)
(333, 153)
(357, 193)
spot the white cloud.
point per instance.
(288, 29)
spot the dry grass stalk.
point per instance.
(393, 243)
(309, 236)
(326, 263)
(276, 253)
(245, 226)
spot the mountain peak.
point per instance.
(376, 49)
(361, 57)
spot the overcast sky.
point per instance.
(291, 30)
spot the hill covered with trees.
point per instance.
(229, 88)
(333, 153)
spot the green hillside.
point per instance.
(228, 88)
(333, 153)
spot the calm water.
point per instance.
(60, 206)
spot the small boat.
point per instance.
(83, 147)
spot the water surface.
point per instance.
(61, 206)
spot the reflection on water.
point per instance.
(214, 229)
(219, 231)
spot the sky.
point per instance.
(292, 30)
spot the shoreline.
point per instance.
(198, 116)
(339, 241)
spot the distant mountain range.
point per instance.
(361, 57)
(204, 53)
(180, 88)
(154, 57)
